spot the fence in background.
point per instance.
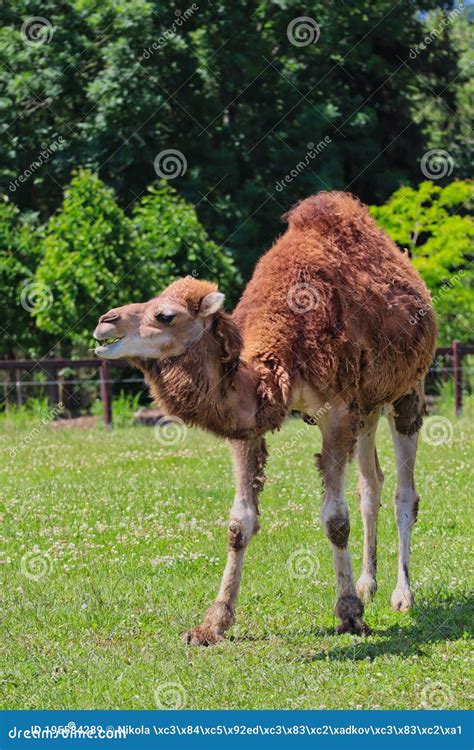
(457, 351)
(50, 368)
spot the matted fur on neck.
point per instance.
(200, 386)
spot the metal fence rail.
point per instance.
(50, 367)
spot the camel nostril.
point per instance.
(109, 317)
(106, 330)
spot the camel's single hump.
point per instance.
(336, 302)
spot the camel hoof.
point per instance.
(353, 626)
(366, 587)
(201, 637)
(402, 600)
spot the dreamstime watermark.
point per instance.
(36, 31)
(35, 564)
(303, 563)
(36, 297)
(44, 155)
(447, 285)
(436, 695)
(449, 17)
(170, 431)
(436, 164)
(303, 31)
(170, 696)
(170, 32)
(311, 417)
(312, 153)
(33, 433)
(170, 164)
(302, 298)
(437, 430)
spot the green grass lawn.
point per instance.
(113, 544)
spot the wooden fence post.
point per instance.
(19, 394)
(105, 393)
(457, 374)
(52, 387)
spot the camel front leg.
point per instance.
(249, 461)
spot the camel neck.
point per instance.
(203, 390)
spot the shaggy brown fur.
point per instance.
(196, 386)
(357, 340)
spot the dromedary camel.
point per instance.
(326, 327)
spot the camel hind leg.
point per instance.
(405, 423)
(338, 430)
(370, 488)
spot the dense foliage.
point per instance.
(19, 294)
(437, 228)
(173, 243)
(95, 257)
(239, 92)
(88, 258)
(243, 108)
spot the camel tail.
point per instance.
(331, 213)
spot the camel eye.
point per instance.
(166, 318)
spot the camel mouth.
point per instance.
(110, 347)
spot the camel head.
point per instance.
(163, 327)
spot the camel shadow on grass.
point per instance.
(448, 618)
(312, 632)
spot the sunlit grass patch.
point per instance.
(112, 544)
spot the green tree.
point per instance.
(48, 56)
(95, 257)
(19, 293)
(88, 262)
(173, 243)
(229, 88)
(437, 227)
(445, 106)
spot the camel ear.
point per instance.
(211, 304)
